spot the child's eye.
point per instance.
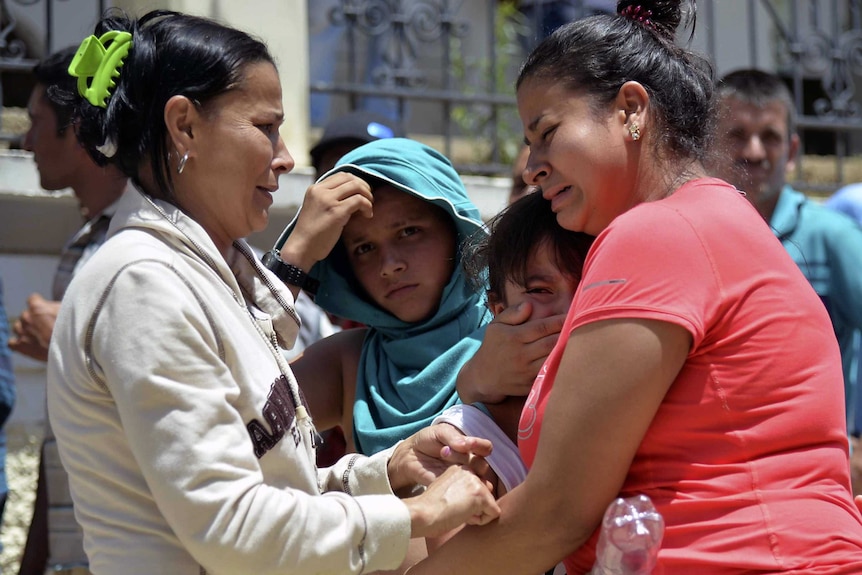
(538, 290)
(409, 231)
(362, 249)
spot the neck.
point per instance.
(767, 207)
(669, 177)
(98, 189)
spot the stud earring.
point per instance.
(182, 165)
(635, 131)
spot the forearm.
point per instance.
(470, 380)
(527, 539)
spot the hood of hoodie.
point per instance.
(420, 171)
(240, 270)
(407, 371)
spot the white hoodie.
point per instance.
(176, 417)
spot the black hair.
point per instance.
(514, 234)
(759, 88)
(171, 54)
(597, 55)
(60, 87)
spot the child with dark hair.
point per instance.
(527, 259)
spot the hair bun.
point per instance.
(661, 16)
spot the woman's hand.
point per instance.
(327, 207)
(455, 498)
(512, 352)
(429, 452)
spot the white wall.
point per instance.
(282, 25)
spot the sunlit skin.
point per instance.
(58, 157)
(577, 156)
(236, 155)
(755, 150)
(403, 256)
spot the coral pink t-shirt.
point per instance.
(746, 457)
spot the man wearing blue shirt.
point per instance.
(757, 147)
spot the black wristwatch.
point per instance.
(289, 273)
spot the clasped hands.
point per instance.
(453, 468)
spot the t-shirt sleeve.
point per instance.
(654, 265)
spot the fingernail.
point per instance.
(446, 451)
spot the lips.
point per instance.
(266, 192)
(400, 290)
(557, 198)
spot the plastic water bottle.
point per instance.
(631, 536)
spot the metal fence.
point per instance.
(446, 68)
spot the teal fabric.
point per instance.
(827, 247)
(407, 370)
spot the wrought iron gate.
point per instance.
(446, 68)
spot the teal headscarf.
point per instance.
(407, 371)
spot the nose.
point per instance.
(754, 150)
(391, 262)
(535, 170)
(282, 161)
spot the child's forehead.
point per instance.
(411, 205)
(393, 208)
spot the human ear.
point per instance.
(631, 103)
(792, 153)
(180, 115)
(495, 304)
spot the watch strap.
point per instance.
(289, 273)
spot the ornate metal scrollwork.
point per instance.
(397, 30)
(11, 48)
(836, 60)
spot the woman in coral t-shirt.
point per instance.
(696, 366)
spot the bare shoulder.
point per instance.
(326, 372)
(338, 347)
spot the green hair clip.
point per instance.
(95, 65)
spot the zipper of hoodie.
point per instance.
(302, 415)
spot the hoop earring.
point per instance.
(182, 165)
(635, 131)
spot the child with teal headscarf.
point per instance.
(382, 234)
